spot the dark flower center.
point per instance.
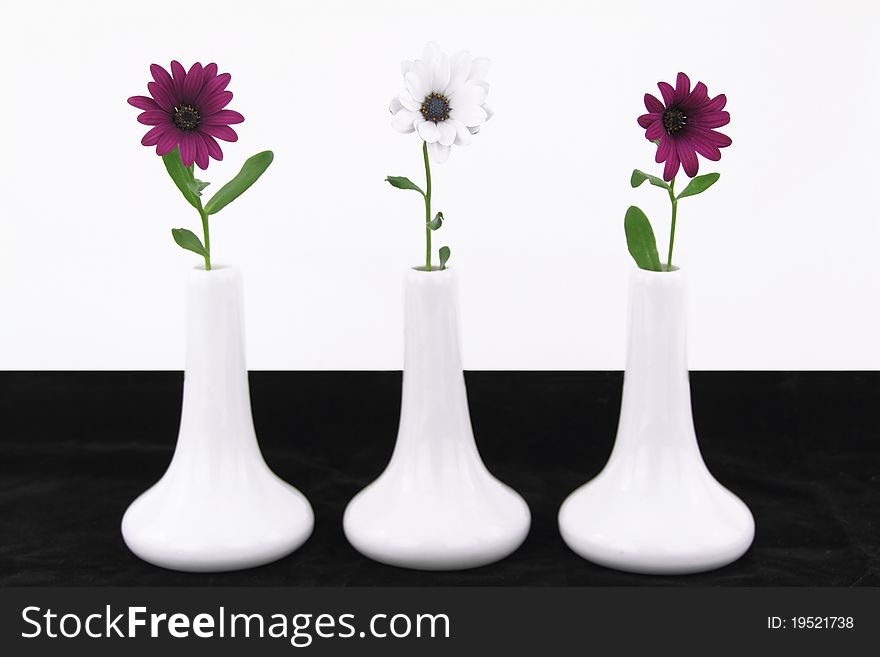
(435, 107)
(674, 120)
(186, 117)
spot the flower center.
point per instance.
(674, 120)
(186, 117)
(435, 107)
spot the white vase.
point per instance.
(218, 506)
(655, 507)
(436, 506)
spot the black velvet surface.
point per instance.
(801, 449)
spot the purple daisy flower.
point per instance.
(186, 111)
(683, 124)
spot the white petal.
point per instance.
(404, 121)
(468, 94)
(416, 85)
(409, 103)
(489, 114)
(441, 72)
(406, 66)
(460, 66)
(447, 133)
(428, 131)
(479, 69)
(395, 105)
(470, 115)
(439, 153)
(462, 134)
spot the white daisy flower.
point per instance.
(444, 101)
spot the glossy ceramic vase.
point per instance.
(218, 506)
(436, 506)
(655, 507)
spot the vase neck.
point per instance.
(216, 398)
(434, 403)
(656, 389)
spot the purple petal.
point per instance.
(187, 149)
(652, 104)
(162, 78)
(709, 119)
(667, 146)
(209, 72)
(721, 140)
(646, 120)
(667, 92)
(163, 98)
(179, 74)
(682, 88)
(718, 139)
(168, 141)
(699, 96)
(223, 117)
(655, 131)
(671, 168)
(201, 151)
(704, 146)
(213, 86)
(716, 104)
(192, 84)
(154, 117)
(223, 132)
(214, 149)
(688, 156)
(215, 102)
(153, 135)
(143, 102)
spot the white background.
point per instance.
(782, 254)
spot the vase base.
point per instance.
(681, 532)
(229, 530)
(439, 531)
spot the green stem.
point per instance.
(427, 207)
(672, 229)
(207, 239)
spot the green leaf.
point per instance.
(197, 186)
(700, 184)
(444, 256)
(640, 239)
(253, 168)
(404, 183)
(638, 177)
(181, 176)
(188, 240)
(437, 221)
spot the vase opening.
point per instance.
(201, 267)
(434, 268)
(663, 269)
